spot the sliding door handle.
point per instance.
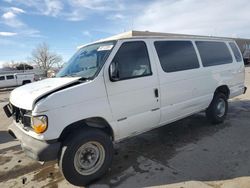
(156, 93)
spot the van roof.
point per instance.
(147, 34)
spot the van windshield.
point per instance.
(87, 61)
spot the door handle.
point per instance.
(156, 93)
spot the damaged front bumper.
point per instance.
(36, 149)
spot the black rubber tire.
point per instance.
(71, 145)
(211, 111)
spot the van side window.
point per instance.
(2, 78)
(214, 53)
(176, 55)
(9, 77)
(237, 53)
(133, 60)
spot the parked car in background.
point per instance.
(120, 87)
(246, 56)
(16, 79)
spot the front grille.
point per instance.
(22, 116)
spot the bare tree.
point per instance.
(45, 59)
(11, 64)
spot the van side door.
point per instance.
(133, 97)
(179, 77)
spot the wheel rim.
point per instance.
(89, 158)
(221, 108)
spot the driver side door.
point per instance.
(134, 97)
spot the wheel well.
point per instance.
(26, 81)
(223, 89)
(94, 122)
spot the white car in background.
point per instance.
(15, 79)
(120, 87)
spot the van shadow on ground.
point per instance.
(190, 149)
(5, 137)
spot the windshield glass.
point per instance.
(87, 61)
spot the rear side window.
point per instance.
(213, 53)
(133, 60)
(2, 78)
(9, 77)
(176, 55)
(237, 53)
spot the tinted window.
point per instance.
(176, 55)
(214, 53)
(2, 78)
(9, 77)
(133, 60)
(236, 51)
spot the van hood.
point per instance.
(25, 96)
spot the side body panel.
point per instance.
(237, 84)
(186, 92)
(183, 92)
(74, 104)
(23, 77)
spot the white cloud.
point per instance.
(104, 5)
(29, 32)
(75, 15)
(10, 17)
(222, 18)
(75, 10)
(80, 9)
(53, 8)
(117, 16)
(7, 34)
(17, 10)
(41, 7)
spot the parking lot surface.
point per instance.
(187, 153)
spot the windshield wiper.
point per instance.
(83, 78)
(69, 75)
(73, 75)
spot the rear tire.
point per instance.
(85, 156)
(217, 111)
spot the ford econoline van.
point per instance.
(120, 87)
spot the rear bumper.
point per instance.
(35, 149)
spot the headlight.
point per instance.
(39, 124)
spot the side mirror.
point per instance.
(113, 71)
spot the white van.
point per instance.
(120, 87)
(15, 79)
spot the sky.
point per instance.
(66, 24)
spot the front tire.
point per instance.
(217, 111)
(86, 156)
